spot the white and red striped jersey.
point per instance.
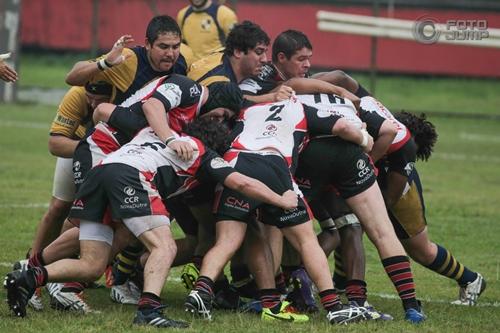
(370, 104)
(181, 96)
(333, 104)
(279, 127)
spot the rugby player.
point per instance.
(205, 25)
(330, 161)
(403, 194)
(266, 143)
(291, 55)
(73, 118)
(133, 181)
(129, 69)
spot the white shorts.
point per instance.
(141, 224)
(64, 186)
(96, 231)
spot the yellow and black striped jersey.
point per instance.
(205, 31)
(73, 116)
(135, 72)
(214, 68)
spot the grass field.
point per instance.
(455, 95)
(461, 188)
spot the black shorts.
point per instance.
(334, 162)
(408, 213)
(273, 171)
(182, 214)
(120, 187)
(128, 120)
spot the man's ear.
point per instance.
(281, 57)
(146, 44)
(238, 53)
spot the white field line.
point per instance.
(25, 206)
(468, 157)
(479, 137)
(25, 124)
(430, 300)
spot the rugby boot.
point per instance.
(155, 317)
(286, 313)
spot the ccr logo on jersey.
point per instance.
(129, 190)
(131, 201)
(271, 130)
(363, 168)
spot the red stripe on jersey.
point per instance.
(148, 176)
(193, 169)
(105, 141)
(396, 146)
(179, 117)
(302, 126)
(157, 207)
(160, 81)
(231, 155)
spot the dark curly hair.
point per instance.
(245, 36)
(213, 134)
(423, 132)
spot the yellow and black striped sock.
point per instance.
(446, 265)
(126, 261)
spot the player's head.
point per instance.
(292, 51)
(423, 132)
(98, 92)
(163, 42)
(213, 134)
(198, 4)
(224, 101)
(248, 43)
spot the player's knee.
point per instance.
(60, 206)
(92, 270)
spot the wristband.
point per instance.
(103, 64)
(169, 139)
(364, 143)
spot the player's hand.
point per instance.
(7, 74)
(367, 147)
(350, 96)
(183, 149)
(115, 56)
(283, 93)
(289, 200)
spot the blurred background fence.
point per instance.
(92, 26)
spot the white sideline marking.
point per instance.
(25, 206)
(479, 137)
(463, 157)
(24, 124)
(430, 300)
(6, 264)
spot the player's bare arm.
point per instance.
(256, 189)
(156, 115)
(83, 71)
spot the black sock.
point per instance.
(148, 301)
(205, 284)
